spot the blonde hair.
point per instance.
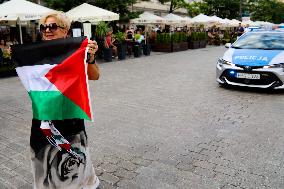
(61, 18)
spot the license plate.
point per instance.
(248, 76)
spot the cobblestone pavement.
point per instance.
(163, 122)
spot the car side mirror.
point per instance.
(228, 45)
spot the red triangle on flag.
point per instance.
(46, 132)
(65, 146)
(70, 79)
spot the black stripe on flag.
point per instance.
(45, 52)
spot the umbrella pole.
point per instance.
(20, 29)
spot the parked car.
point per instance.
(256, 59)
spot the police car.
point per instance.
(256, 59)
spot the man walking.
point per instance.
(240, 30)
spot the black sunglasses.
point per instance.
(52, 27)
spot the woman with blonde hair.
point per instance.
(54, 168)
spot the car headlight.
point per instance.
(222, 62)
(280, 65)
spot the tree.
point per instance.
(63, 5)
(223, 8)
(120, 7)
(264, 10)
(175, 4)
(195, 8)
(267, 10)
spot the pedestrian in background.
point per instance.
(240, 31)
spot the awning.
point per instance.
(86, 12)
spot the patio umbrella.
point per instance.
(187, 20)
(201, 18)
(148, 18)
(217, 19)
(21, 10)
(86, 12)
(235, 22)
(250, 23)
(174, 19)
(226, 23)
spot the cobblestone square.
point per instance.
(162, 122)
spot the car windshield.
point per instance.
(255, 40)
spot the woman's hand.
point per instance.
(93, 69)
(93, 47)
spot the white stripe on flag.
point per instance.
(33, 77)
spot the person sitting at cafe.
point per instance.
(129, 34)
(139, 37)
(109, 43)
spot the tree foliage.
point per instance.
(120, 7)
(264, 10)
(267, 10)
(197, 8)
(175, 4)
(223, 8)
(63, 5)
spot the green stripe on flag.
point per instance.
(53, 105)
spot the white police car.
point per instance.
(256, 59)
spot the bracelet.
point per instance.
(93, 62)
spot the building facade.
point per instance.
(155, 7)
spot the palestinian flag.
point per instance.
(55, 75)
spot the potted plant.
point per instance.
(163, 42)
(202, 39)
(121, 45)
(179, 41)
(7, 66)
(217, 40)
(101, 30)
(146, 48)
(146, 45)
(137, 48)
(226, 38)
(194, 40)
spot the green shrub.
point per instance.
(6, 54)
(163, 38)
(227, 35)
(194, 36)
(101, 29)
(175, 37)
(202, 36)
(159, 38)
(183, 37)
(120, 37)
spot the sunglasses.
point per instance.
(52, 27)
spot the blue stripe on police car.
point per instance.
(252, 57)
